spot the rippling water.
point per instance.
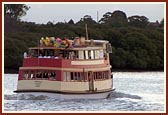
(135, 91)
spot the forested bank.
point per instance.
(137, 44)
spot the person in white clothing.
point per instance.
(25, 54)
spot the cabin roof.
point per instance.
(74, 48)
(98, 41)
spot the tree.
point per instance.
(15, 11)
(71, 22)
(87, 19)
(49, 23)
(105, 18)
(162, 23)
(118, 19)
(115, 19)
(138, 21)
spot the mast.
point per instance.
(97, 17)
(38, 52)
(86, 32)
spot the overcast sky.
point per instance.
(42, 13)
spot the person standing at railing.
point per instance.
(25, 54)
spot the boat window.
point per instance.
(82, 76)
(89, 54)
(45, 75)
(92, 54)
(38, 75)
(97, 52)
(101, 54)
(33, 53)
(81, 54)
(67, 76)
(76, 55)
(79, 77)
(108, 48)
(71, 55)
(74, 76)
(44, 53)
(52, 75)
(51, 53)
(86, 76)
(95, 75)
(32, 75)
(101, 75)
(86, 54)
(56, 53)
(25, 75)
(68, 54)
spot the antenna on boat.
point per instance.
(86, 32)
(97, 16)
(38, 52)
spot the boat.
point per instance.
(78, 68)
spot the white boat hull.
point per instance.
(101, 95)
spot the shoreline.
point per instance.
(136, 70)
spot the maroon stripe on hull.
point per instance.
(61, 92)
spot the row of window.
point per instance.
(39, 75)
(86, 76)
(68, 54)
(67, 76)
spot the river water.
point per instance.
(135, 92)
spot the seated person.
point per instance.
(40, 56)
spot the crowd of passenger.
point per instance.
(70, 54)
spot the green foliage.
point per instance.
(138, 21)
(71, 22)
(87, 19)
(15, 11)
(162, 23)
(15, 44)
(135, 45)
(115, 19)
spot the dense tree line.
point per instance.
(137, 44)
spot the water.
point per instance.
(135, 91)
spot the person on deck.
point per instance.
(25, 54)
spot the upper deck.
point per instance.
(78, 54)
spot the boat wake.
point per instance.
(25, 97)
(44, 96)
(41, 102)
(122, 95)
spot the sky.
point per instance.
(42, 13)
